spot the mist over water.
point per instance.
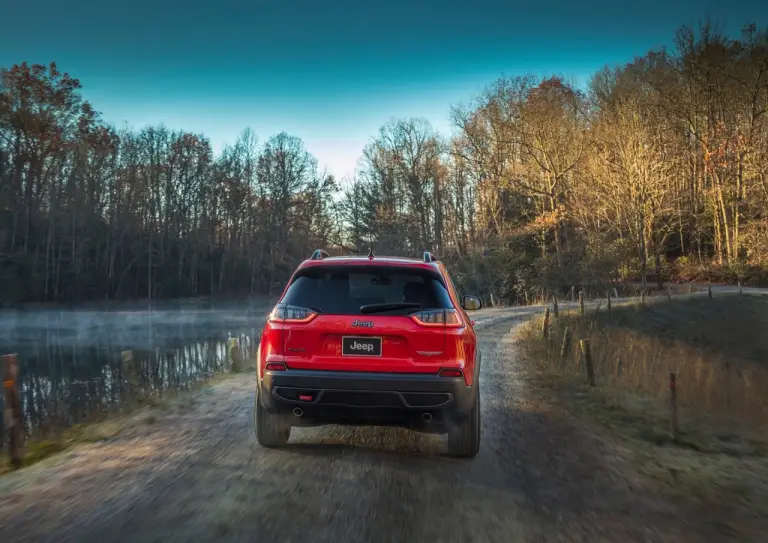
(73, 370)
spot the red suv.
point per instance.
(370, 341)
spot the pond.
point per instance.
(78, 365)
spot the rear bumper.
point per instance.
(363, 397)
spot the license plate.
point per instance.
(361, 346)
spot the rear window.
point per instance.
(344, 290)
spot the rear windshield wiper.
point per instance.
(376, 308)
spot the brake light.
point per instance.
(293, 314)
(275, 366)
(443, 318)
(447, 372)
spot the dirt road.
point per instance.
(197, 474)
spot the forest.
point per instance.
(655, 171)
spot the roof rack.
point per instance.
(319, 254)
(429, 257)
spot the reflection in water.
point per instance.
(72, 369)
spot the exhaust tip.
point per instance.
(426, 417)
(298, 411)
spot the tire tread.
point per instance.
(464, 436)
(272, 430)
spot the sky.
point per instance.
(329, 72)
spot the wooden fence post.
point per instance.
(642, 297)
(14, 418)
(587, 356)
(709, 291)
(566, 343)
(608, 296)
(545, 324)
(673, 406)
(581, 302)
(129, 368)
(669, 294)
(132, 375)
(555, 307)
(573, 293)
(234, 351)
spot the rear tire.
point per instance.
(464, 436)
(272, 429)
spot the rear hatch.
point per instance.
(366, 318)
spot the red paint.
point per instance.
(317, 345)
(409, 345)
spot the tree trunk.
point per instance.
(659, 281)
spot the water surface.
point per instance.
(80, 364)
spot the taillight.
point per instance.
(292, 314)
(450, 372)
(443, 318)
(275, 366)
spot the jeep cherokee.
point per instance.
(370, 341)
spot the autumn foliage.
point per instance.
(542, 186)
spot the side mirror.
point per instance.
(471, 303)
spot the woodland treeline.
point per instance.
(658, 170)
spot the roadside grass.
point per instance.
(142, 411)
(720, 356)
(624, 290)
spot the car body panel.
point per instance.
(405, 346)
(403, 379)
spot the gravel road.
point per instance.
(196, 474)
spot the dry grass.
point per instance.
(714, 346)
(719, 352)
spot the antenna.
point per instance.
(370, 251)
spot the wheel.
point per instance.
(272, 430)
(464, 436)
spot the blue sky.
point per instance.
(329, 72)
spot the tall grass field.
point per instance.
(718, 350)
